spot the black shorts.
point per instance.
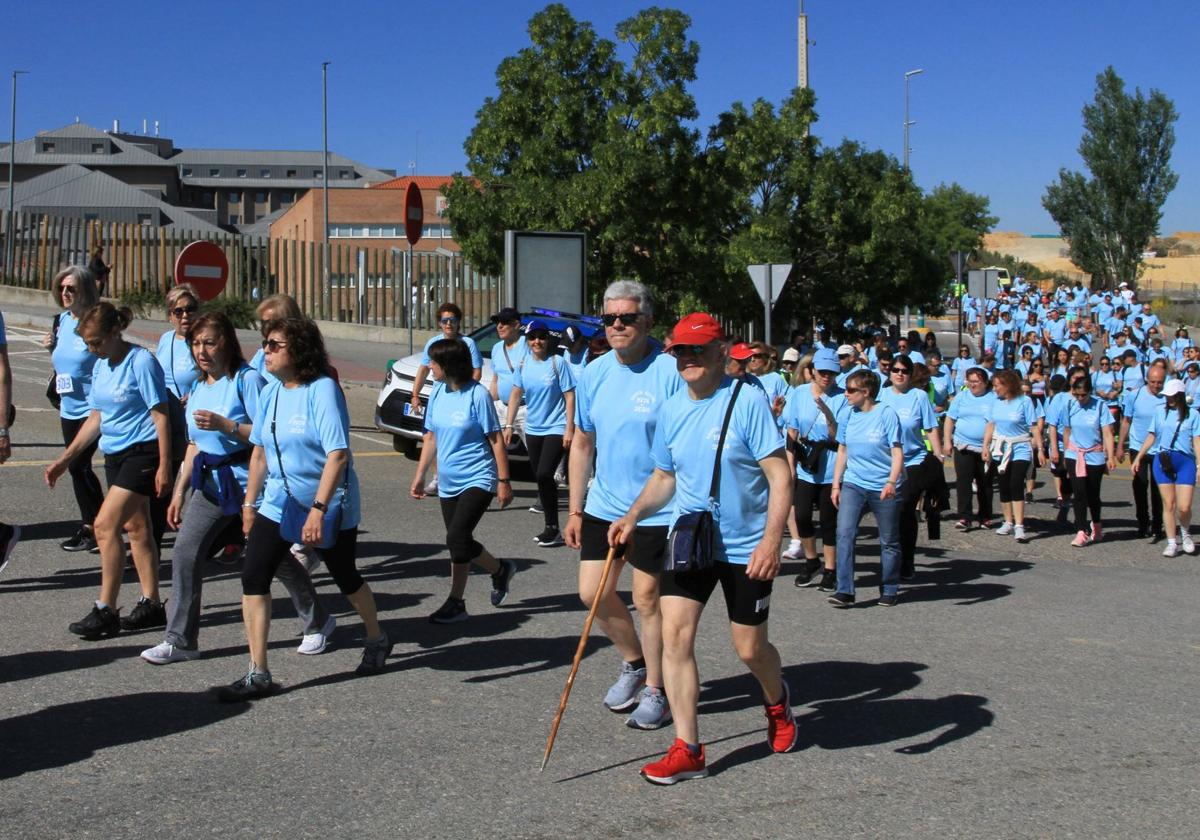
(747, 601)
(133, 469)
(649, 544)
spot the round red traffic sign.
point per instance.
(414, 213)
(203, 264)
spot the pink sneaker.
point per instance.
(1097, 533)
(1081, 539)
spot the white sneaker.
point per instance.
(1019, 534)
(1005, 529)
(314, 643)
(165, 653)
(431, 487)
(1189, 547)
(795, 549)
(308, 558)
(1172, 550)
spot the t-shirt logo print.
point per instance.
(297, 424)
(459, 418)
(119, 393)
(643, 402)
(713, 435)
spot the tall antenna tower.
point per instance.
(802, 52)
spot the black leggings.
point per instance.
(1144, 485)
(804, 496)
(461, 514)
(916, 482)
(88, 493)
(545, 453)
(1086, 493)
(970, 465)
(266, 549)
(1012, 481)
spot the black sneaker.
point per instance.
(254, 685)
(501, 580)
(374, 656)
(97, 624)
(144, 615)
(841, 599)
(908, 573)
(828, 581)
(887, 600)
(536, 507)
(451, 612)
(82, 540)
(1158, 536)
(549, 538)
(10, 535)
(805, 578)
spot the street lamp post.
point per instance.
(326, 297)
(12, 156)
(907, 122)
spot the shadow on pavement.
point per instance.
(962, 581)
(36, 741)
(501, 658)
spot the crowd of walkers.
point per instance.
(686, 458)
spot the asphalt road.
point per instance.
(1040, 692)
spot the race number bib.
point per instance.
(63, 384)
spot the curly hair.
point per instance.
(219, 323)
(306, 347)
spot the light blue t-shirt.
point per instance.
(1164, 426)
(619, 404)
(72, 358)
(544, 385)
(476, 358)
(869, 438)
(504, 361)
(1132, 377)
(1013, 418)
(124, 395)
(970, 415)
(235, 399)
(801, 413)
(179, 367)
(1140, 406)
(959, 368)
(310, 421)
(916, 415)
(1085, 422)
(775, 385)
(461, 421)
(1105, 381)
(685, 443)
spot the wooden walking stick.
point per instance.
(587, 629)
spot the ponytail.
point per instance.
(107, 318)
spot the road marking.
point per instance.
(368, 439)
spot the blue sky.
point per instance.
(997, 108)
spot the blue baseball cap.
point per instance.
(536, 324)
(826, 359)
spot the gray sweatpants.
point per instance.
(202, 524)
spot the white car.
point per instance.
(393, 409)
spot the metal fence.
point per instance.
(367, 285)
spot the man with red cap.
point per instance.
(715, 433)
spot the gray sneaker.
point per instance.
(623, 695)
(653, 712)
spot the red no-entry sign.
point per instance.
(202, 264)
(414, 213)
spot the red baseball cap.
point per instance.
(741, 351)
(697, 328)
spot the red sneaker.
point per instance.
(678, 766)
(782, 732)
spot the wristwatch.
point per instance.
(3, 433)
(320, 506)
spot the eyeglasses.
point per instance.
(678, 350)
(180, 311)
(272, 346)
(449, 319)
(627, 319)
(537, 335)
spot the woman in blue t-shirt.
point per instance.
(1085, 425)
(546, 383)
(966, 422)
(1012, 441)
(128, 413)
(220, 411)
(301, 440)
(462, 434)
(1175, 435)
(869, 473)
(75, 290)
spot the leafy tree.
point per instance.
(954, 219)
(1109, 218)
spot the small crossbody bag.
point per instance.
(691, 545)
(1164, 455)
(291, 524)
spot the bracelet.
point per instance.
(504, 480)
(575, 513)
(247, 505)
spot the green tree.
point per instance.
(954, 219)
(1109, 218)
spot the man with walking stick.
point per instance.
(719, 454)
(618, 399)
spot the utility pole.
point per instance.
(326, 297)
(802, 53)
(907, 122)
(9, 239)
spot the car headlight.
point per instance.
(387, 378)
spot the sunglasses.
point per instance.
(627, 319)
(902, 370)
(537, 335)
(449, 319)
(856, 390)
(272, 346)
(678, 350)
(495, 319)
(180, 311)
(760, 355)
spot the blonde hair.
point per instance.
(179, 291)
(278, 307)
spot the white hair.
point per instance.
(630, 290)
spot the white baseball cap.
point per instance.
(1175, 386)
(845, 350)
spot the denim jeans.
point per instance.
(887, 517)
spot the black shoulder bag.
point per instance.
(51, 384)
(691, 546)
(1164, 455)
